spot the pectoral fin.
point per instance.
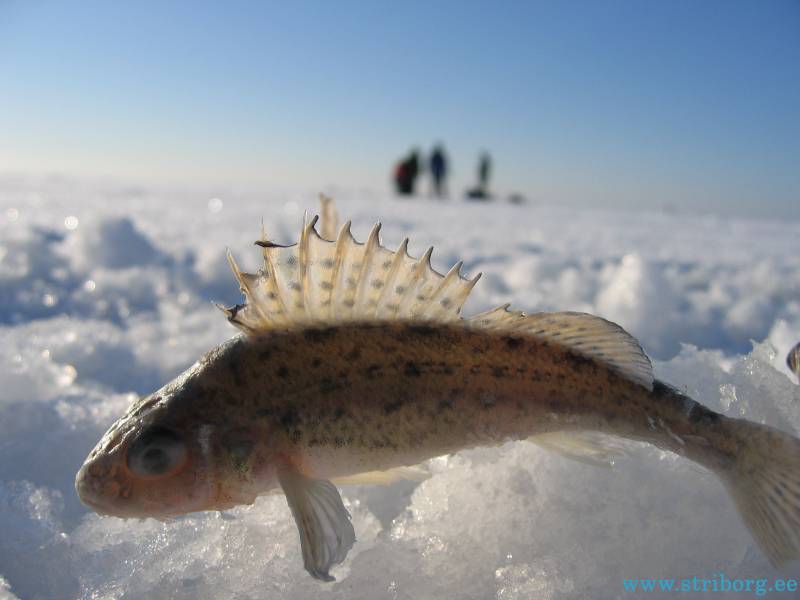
(326, 533)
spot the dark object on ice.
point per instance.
(793, 360)
(517, 198)
(484, 171)
(405, 174)
(478, 193)
(438, 166)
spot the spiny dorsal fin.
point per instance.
(319, 280)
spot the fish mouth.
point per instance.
(93, 493)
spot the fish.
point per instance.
(354, 364)
(793, 360)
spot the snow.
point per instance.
(105, 294)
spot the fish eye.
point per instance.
(157, 451)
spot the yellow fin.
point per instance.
(384, 477)
(583, 446)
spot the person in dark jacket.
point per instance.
(405, 174)
(438, 166)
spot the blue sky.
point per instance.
(690, 104)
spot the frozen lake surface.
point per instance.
(105, 293)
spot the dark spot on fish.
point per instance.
(444, 405)
(393, 407)
(423, 330)
(449, 370)
(264, 354)
(290, 420)
(457, 392)
(411, 370)
(487, 399)
(315, 362)
(317, 335)
(282, 372)
(499, 372)
(327, 385)
(579, 360)
(372, 371)
(339, 413)
(354, 354)
(513, 342)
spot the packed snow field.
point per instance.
(105, 293)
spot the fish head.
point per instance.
(162, 460)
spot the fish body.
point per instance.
(355, 361)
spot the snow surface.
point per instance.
(105, 293)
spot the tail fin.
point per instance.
(764, 482)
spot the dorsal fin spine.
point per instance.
(338, 260)
(269, 271)
(303, 254)
(413, 279)
(369, 250)
(453, 273)
(243, 284)
(397, 260)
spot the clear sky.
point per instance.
(630, 103)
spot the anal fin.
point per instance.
(587, 447)
(384, 477)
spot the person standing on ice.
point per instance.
(484, 170)
(405, 174)
(481, 190)
(438, 166)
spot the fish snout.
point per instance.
(100, 486)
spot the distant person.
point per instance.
(481, 190)
(484, 171)
(438, 166)
(405, 174)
